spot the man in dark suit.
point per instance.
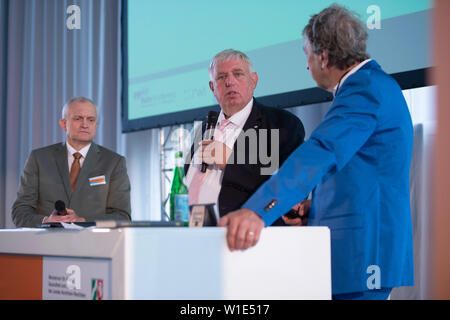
(246, 134)
(91, 180)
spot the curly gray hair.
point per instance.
(229, 54)
(341, 33)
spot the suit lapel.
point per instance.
(60, 155)
(254, 119)
(88, 165)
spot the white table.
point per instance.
(174, 263)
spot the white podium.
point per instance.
(165, 263)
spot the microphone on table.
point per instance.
(210, 126)
(60, 208)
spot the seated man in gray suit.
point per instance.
(92, 181)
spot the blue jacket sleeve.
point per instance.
(347, 126)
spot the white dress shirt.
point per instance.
(71, 151)
(212, 181)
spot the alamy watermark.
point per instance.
(374, 20)
(374, 280)
(252, 146)
(73, 21)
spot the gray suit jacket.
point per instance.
(46, 179)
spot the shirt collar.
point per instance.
(83, 151)
(239, 118)
(348, 74)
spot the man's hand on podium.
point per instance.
(71, 216)
(243, 228)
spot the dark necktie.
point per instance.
(75, 170)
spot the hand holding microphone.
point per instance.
(215, 153)
(63, 214)
(209, 134)
(60, 208)
(298, 215)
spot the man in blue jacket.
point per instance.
(356, 163)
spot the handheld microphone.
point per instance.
(211, 121)
(292, 214)
(60, 208)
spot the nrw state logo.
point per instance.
(97, 289)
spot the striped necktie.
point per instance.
(75, 170)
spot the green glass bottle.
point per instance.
(179, 197)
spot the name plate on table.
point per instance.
(76, 279)
(202, 215)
